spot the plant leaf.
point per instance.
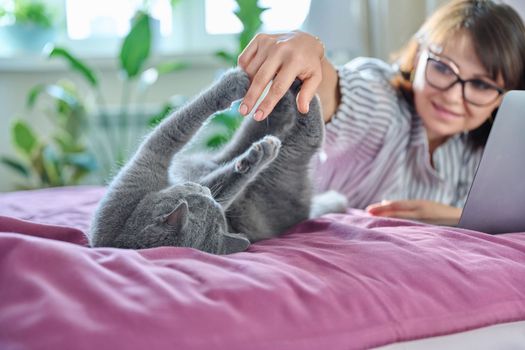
(37, 166)
(230, 119)
(156, 119)
(33, 12)
(24, 137)
(136, 46)
(33, 94)
(58, 92)
(216, 140)
(78, 174)
(55, 91)
(15, 165)
(69, 110)
(84, 161)
(76, 64)
(52, 168)
(249, 13)
(68, 144)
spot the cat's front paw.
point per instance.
(234, 84)
(259, 154)
(309, 128)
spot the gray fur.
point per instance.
(256, 187)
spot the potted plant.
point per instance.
(62, 158)
(27, 25)
(87, 140)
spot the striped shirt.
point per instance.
(376, 146)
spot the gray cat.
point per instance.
(255, 188)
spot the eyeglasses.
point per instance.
(442, 75)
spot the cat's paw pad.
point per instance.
(260, 151)
(272, 140)
(251, 158)
(242, 166)
(270, 145)
(265, 149)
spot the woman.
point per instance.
(405, 140)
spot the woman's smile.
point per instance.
(444, 113)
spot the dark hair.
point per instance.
(498, 34)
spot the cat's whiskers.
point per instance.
(225, 200)
(215, 189)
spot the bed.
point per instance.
(343, 281)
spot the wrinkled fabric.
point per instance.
(346, 281)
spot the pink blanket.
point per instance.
(340, 282)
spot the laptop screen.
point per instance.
(496, 200)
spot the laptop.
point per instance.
(496, 200)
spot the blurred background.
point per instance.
(81, 81)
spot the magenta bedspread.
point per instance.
(340, 282)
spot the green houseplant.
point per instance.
(108, 132)
(63, 158)
(29, 12)
(28, 25)
(67, 157)
(249, 13)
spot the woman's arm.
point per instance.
(329, 91)
(283, 58)
(422, 210)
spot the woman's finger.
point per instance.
(307, 92)
(281, 58)
(281, 83)
(255, 64)
(248, 53)
(261, 50)
(386, 205)
(261, 79)
(399, 214)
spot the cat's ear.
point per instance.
(178, 218)
(235, 242)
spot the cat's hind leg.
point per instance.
(227, 181)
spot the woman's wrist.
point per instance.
(328, 90)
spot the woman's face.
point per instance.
(445, 112)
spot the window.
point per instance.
(280, 16)
(95, 28)
(103, 18)
(200, 26)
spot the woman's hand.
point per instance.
(421, 210)
(281, 57)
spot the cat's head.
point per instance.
(187, 216)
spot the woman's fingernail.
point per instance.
(258, 115)
(243, 109)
